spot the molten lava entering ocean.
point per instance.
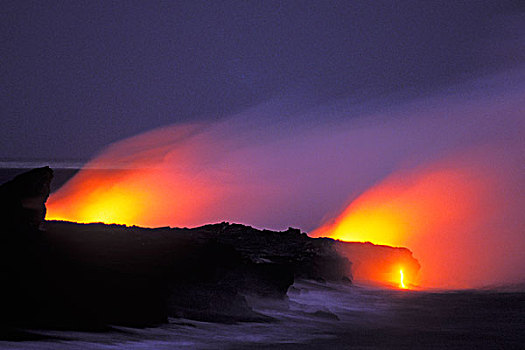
(439, 212)
(455, 204)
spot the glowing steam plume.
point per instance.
(402, 206)
(442, 176)
(149, 180)
(444, 213)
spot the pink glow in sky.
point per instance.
(445, 171)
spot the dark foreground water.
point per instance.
(329, 316)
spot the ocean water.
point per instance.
(331, 316)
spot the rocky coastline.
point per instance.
(67, 275)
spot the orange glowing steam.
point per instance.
(402, 206)
(431, 210)
(459, 216)
(183, 176)
(149, 180)
(109, 196)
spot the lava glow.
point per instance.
(402, 280)
(448, 183)
(442, 212)
(145, 180)
(416, 210)
(404, 205)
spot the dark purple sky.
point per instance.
(78, 75)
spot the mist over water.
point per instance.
(320, 316)
(277, 165)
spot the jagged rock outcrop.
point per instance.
(201, 273)
(22, 256)
(22, 200)
(306, 257)
(85, 276)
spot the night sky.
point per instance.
(79, 75)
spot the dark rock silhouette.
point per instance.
(22, 255)
(200, 273)
(87, 276)
(22, 200)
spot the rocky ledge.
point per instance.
(88, 276)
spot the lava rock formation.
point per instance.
(87, 276)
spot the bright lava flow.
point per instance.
(401, 280)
